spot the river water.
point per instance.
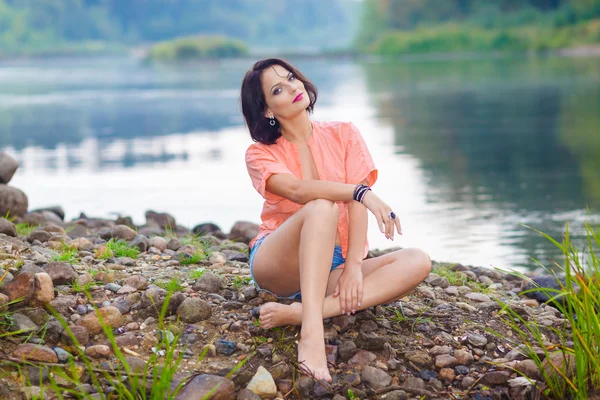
(470, 151)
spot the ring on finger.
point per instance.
(392, 215)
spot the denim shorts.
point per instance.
(336, 261)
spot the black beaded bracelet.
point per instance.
(360, 191)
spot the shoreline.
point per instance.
(348, 54)
(435, 341)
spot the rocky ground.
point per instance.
(434, 343)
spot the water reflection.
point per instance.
(522, 135)
(469, 150)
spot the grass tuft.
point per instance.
(575, 370)
(66, 253)
(120, 248)
(24, 229)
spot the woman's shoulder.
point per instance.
(333, 126)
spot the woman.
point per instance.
(315, 178)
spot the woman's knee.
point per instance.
(419, 260)
(322, 207)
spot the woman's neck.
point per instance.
(296, 130)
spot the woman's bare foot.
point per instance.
(312, 359)
(275, 314)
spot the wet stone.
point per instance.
(461, 370)
(427, 374)
(225, 347)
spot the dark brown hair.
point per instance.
(254, 104)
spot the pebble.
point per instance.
(225, 347)
(262, 384)
(477, 340)
(375, 378)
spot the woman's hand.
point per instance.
(381, 211)
(350, 289)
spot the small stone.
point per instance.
(463, 357)
(201, 385)
(62, 273)
(467, 382)
(461, 370)
(375, 378)
(451, 291)
(208, 282)
(425, 292)
(427, 374)
(466, 307)
(528, 368)
(226, 347)
(346, 350)
(138, 282)
(439, 350)
(110, 315)
(32, 352)
(445, 361)
(478, 297)
(447, 375)
(22, 323)
(477, 340)
(22, 287)
(394, 395)
(62, 354)
(419, 358)
(495, 378)
(194, 310)
(123, 232)
(370, 341)
(98, 350)
(113, 287)
(246, 394)
(414, 383)
(436, 280)
(262, 384)
(362, 357)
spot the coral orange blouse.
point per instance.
(340, 155)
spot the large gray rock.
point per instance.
(8, 167)
(163, 220)
(57, 210)
(243, 231)
(7, 227)
(12, 201)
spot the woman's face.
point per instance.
(285, 95)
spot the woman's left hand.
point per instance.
(350, 289)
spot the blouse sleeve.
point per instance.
(261, 165)
(359, 164)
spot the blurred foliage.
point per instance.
(405, 26)
(196, 47)
(46, 25)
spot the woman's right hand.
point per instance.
(381, 211)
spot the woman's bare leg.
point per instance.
(386, 278)
(298, 257)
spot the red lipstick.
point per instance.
(299, 97)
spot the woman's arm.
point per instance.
(357, 234)
(350, 284)
(302, 191)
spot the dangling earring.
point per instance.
(272, 121)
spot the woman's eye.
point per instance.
(277, 91)
(291, 78)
